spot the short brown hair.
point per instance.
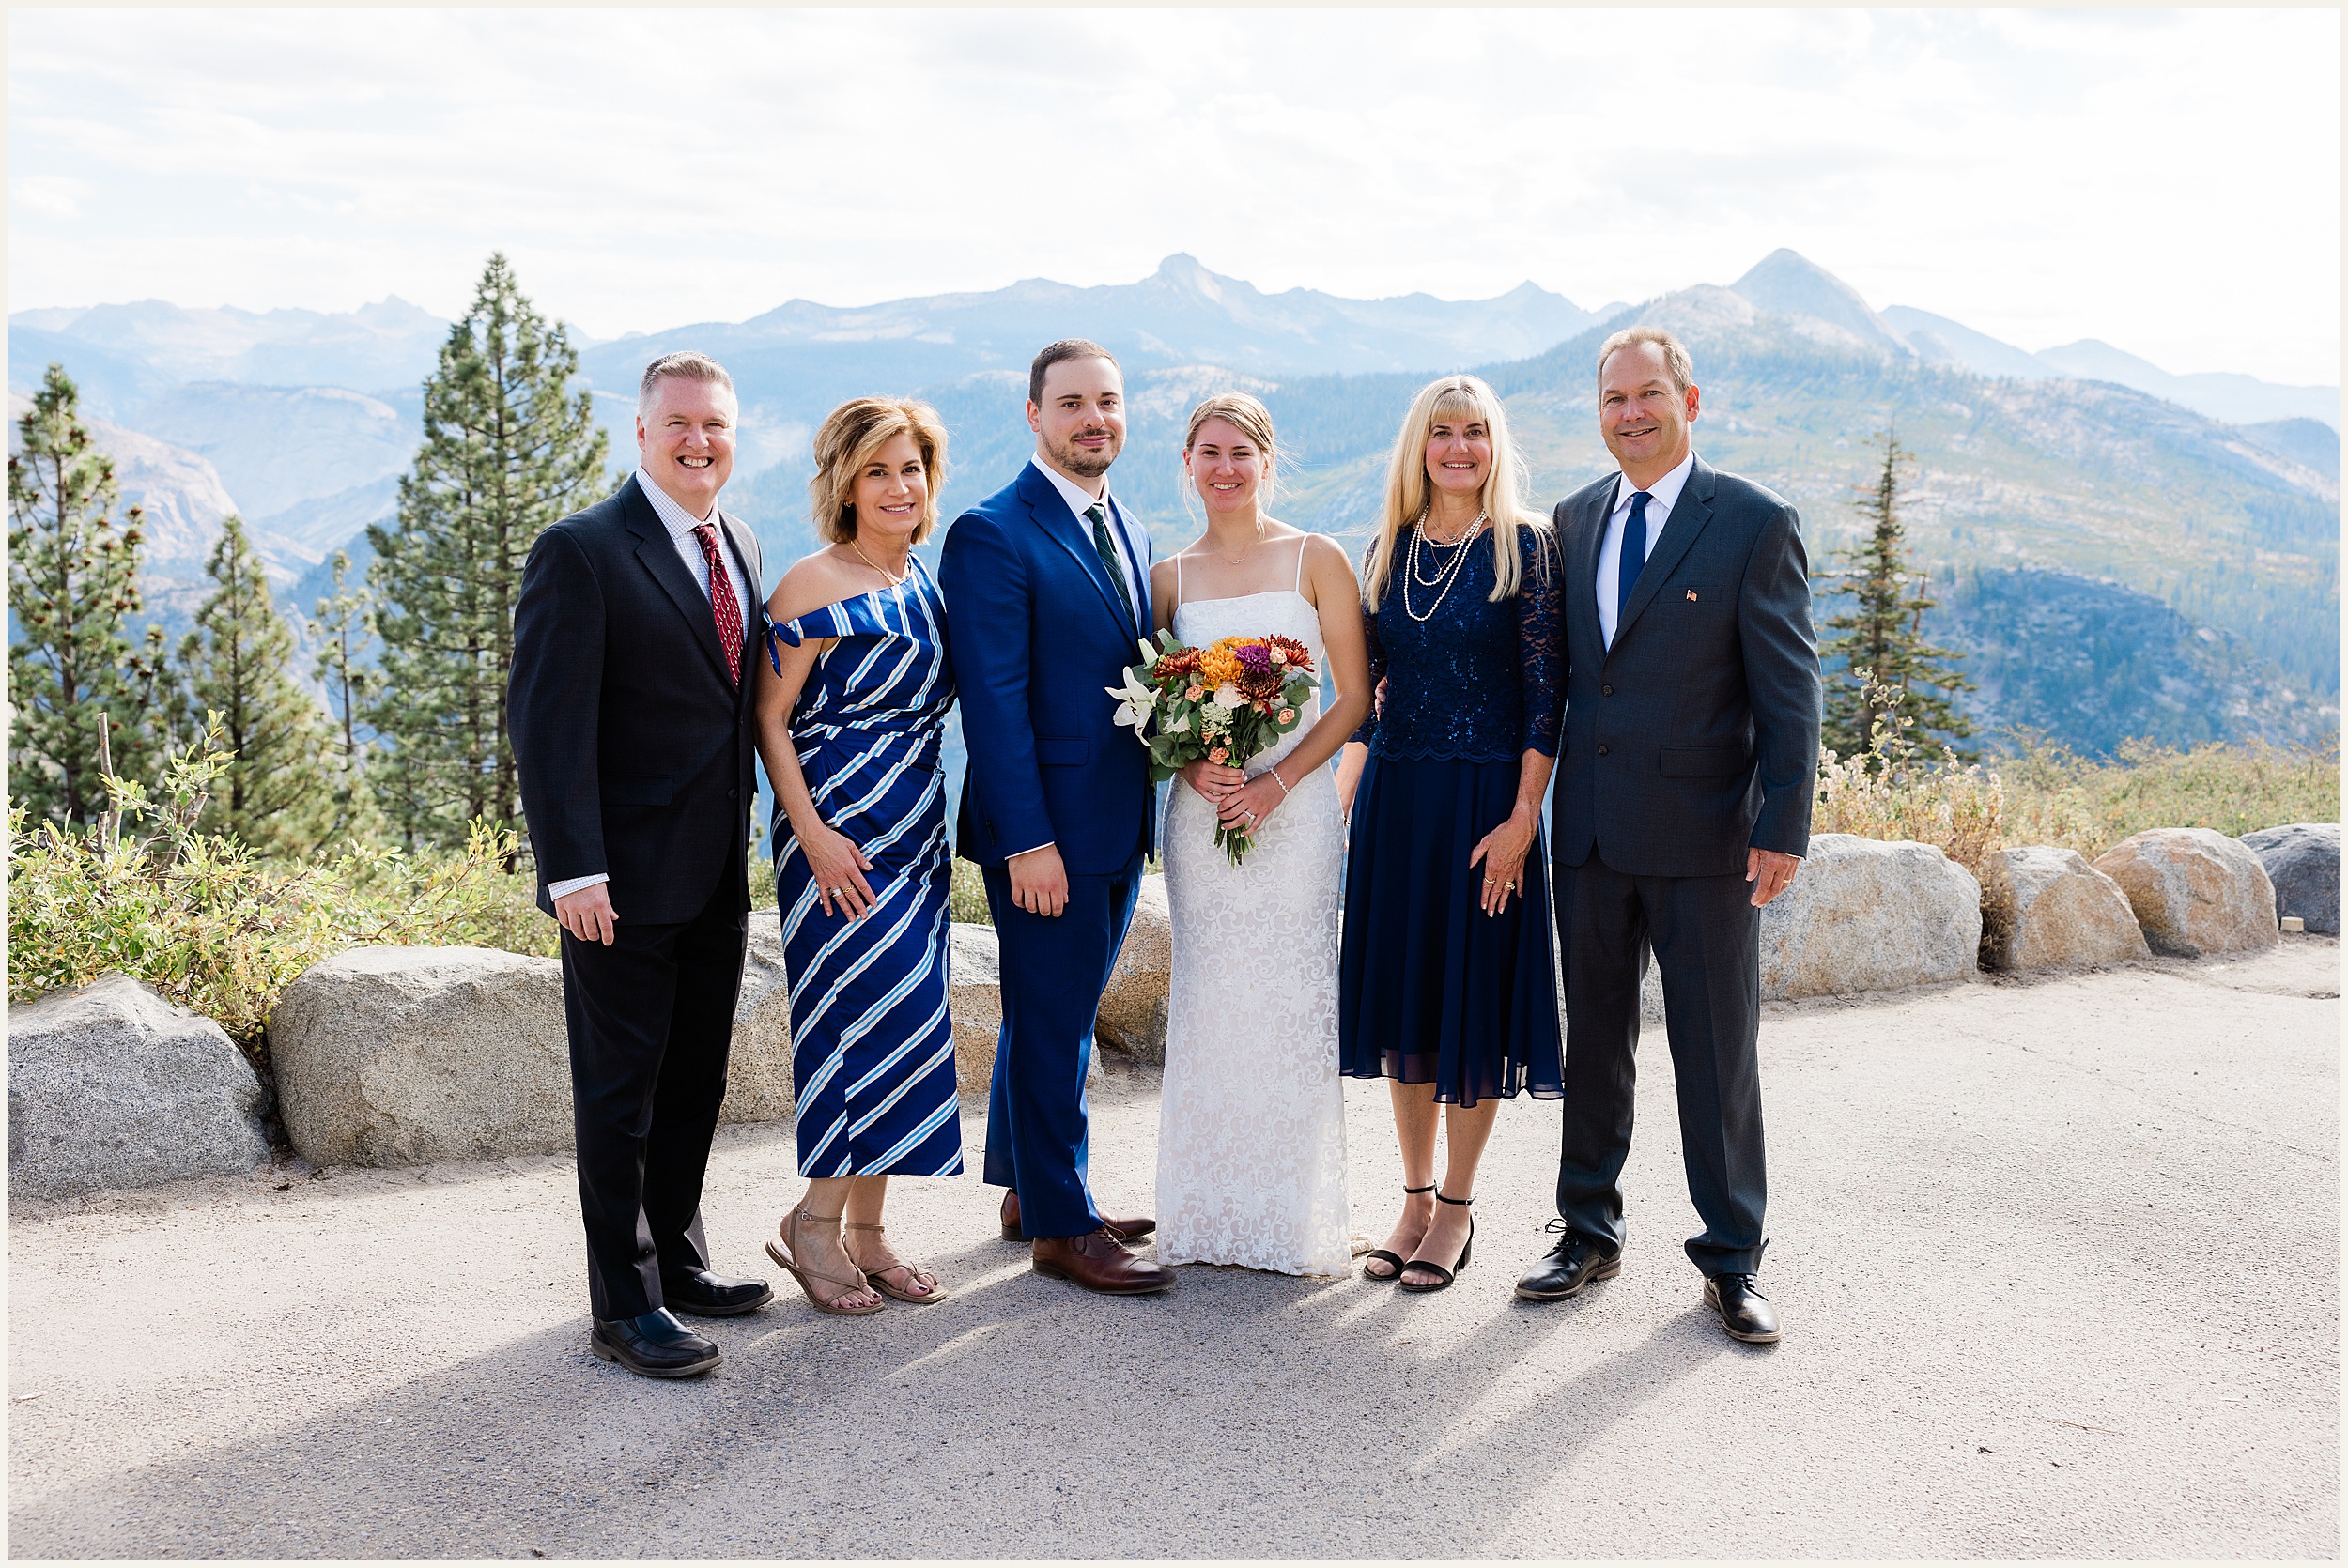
(687, 365)
(1053, 353)
(849, 438)
(1675, 358)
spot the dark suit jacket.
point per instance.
(634, 747)
(1037, 637)
(1696, 735)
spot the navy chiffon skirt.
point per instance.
(1430, 989)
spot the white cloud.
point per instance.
(2169, 182)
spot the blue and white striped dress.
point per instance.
(871, 1046)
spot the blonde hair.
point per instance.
(1408, 498)
(1675, 358)
(850, 437)
(1250, 418)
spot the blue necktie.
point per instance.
(1633, 557)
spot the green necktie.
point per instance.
(1108, 557)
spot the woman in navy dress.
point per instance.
(1447, 978)
(851, 711)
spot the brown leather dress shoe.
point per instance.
(1098, 1261)
(1126, 1230)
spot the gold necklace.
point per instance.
(1235, 559)
(893, 582)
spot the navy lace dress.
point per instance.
(1430, 989)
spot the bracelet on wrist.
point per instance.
(1274, 771)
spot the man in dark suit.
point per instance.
(630, 706)
(1047, 581)
(1684, 788)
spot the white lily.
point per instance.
(1149, 654)
(1136, 703)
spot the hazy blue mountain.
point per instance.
(381, 345)
(311, 530)
(1182, 313)
(1787, 284)
(277, 446)
(2095, 664)
(110, 383)
(2220, 395)
(1938, 340)
(2310, 443)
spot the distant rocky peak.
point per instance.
(1186, 273)
(1785, 283)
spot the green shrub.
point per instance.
(213, 928)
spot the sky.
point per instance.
(2167, 181)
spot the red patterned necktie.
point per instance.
(722, 604)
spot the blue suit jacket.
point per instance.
(1037, 636)
(1695, 736)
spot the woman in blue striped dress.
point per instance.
(851, 711)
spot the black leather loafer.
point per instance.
(1569, 1268)
(707, 1294)
(1745, 1312)
(652, 1346)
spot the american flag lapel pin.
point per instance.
(1691, 595)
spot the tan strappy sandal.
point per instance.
(786, 1256)
(937, 1292)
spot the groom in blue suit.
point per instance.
(1048, 584)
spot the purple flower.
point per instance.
(1254, 658)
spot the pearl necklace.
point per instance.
(1446, 573)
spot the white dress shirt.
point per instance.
(1661, 496)
(1077, 502)
(680, 524)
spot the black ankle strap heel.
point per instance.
(1467, 1251)
(1381, 1255)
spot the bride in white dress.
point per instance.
(1251, 1121)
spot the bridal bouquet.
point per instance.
(1226, 702)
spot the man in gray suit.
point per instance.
(1684, 787)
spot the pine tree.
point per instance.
(1889, 671)
(274, 795)
(73, 586)
(508, 447)
(343, 627)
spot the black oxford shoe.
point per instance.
(652, 1346)
(1745, 1312)
(1570, 1266)
(707, 1294)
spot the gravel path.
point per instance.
(2058, 1261)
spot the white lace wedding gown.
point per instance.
(1251, 1121)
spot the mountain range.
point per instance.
(2078, 472)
